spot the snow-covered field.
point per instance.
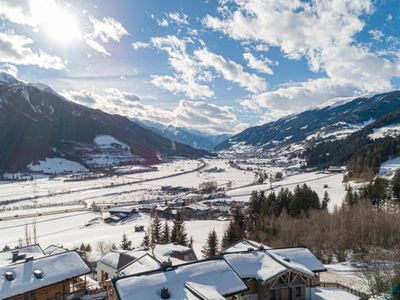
(56, 165)
(390, 166)
(317, 181)
(69, 230)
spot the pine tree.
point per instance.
(211, 248)
(396, 187)
(146, 240)
(239, 218)
(165, 237)
(178, 233)
(125, 243)
(231, 235)
(156, 228)
(325, 201)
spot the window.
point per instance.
(272, 294)
(298, 293)
(105, 275)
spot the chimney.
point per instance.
(250, 249)
(38, 274)
(261, 247)
(15, 255)
(9, 276)
(166, 264)
(164, 293)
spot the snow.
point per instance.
(301, 256)
(204, 291)
(55, 268)
(33, 250)
(256, 264)
(207, 275)
(385, 131)
(332, 294)
(143, 264)
(243, 245)
(390, 166)
(56, 165)
(108, 141)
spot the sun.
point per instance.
(61, 25)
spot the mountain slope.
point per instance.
(36, 123)
(194, 138)
(318, 124)
(363, 151)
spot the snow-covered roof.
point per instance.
(300, 255)
(143, 264)
(204, 292)
(255, 264)
(168, 249)
(198, 206)
(243, 245)
(117, 209)
(290, 264)
(205, 276)
(30, 251)
(117, 259)
(54, 249)
(55, 268)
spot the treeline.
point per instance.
(300, 218)
(162, 234)
(362, 155)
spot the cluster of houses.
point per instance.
(246, 270)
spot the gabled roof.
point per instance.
(30, 251)
(145, 263)
(243, 245)
(117, 259)
(261, 265)
(54, 249)
(300, 255)
(55, 268)
(204, 292)
(255, 264)
(207, 276)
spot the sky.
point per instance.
(218, 66)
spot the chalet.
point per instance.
(199, 211)
(270, 278)
(54, 249)
(206, 279)
(114, 260)
(28, 273)
(120, 213)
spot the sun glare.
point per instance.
(61, 26)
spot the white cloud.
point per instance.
(261, 65)
(197, 115)
(189, 77)
(15, 49)
(104, 31)
(140, 45)
(179, 18)
(26, 12)
(376, 35)
(191, 89)
(10, 69)
(98, 47)
(323, 33)
(231, 71)
(162, 23)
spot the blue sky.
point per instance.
(215, 66)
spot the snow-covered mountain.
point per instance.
(36, 123)
(194, 138)
(334, 121)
